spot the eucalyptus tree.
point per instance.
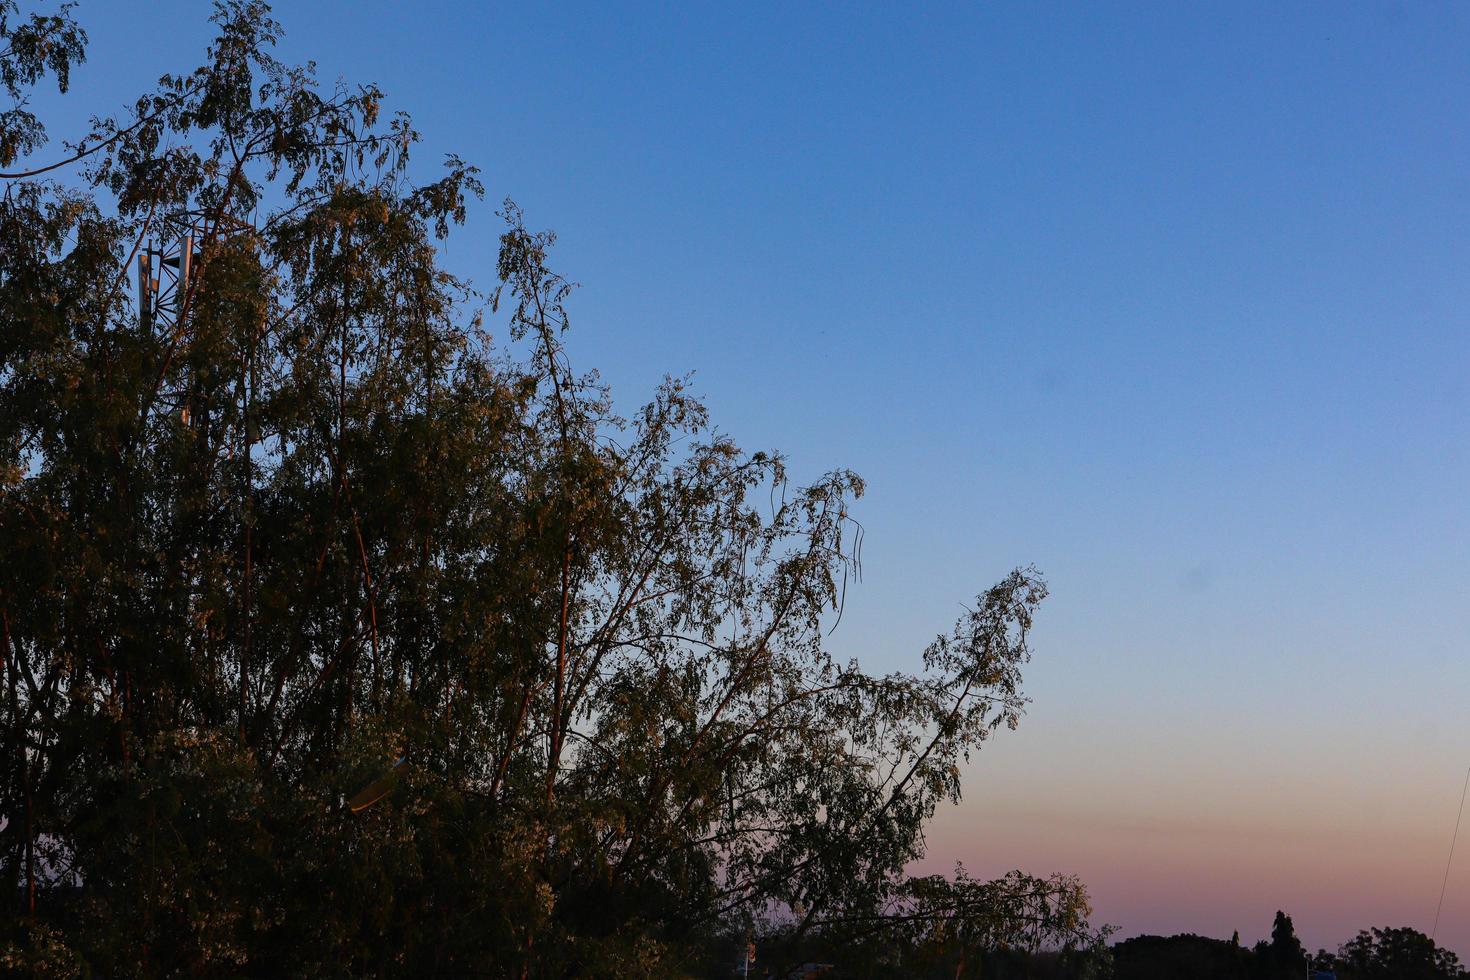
(1401, 953)
(314, 520)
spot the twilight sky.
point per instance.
(1168, 299)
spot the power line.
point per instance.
(1451, 858)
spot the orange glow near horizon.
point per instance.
(1209, 867)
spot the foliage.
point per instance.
(311, 519)
(1393, 954)
(937, 926)
(1377, 954)
(1196, 957)
(35, 46)
(1283, 957)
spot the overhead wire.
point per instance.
(1450, 860)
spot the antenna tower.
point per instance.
(166, 267)
(163, 277)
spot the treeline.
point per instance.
(1374, 954)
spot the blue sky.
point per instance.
(1168, 299)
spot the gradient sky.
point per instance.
(1168, 299)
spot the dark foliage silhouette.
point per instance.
(301, 519)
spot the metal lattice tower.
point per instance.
(166, 268)
(163, 278)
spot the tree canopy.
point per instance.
(332, 507)
(1397, 953)
(1374, 954)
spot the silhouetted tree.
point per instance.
(958, 926)
(314, 521)
(1395, 954)
(1195, 957)
(1377, 954)
(1283, 956)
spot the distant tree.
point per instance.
(1378, 954)
(1284, 944)
(1396, 954)
(313, 520)
(1194, 957)
(1282, 957)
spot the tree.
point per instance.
(1284, 956)
(1399, 954)
(308, 518)
(958, 926)
(1187, 955)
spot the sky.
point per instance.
(1167, 299)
